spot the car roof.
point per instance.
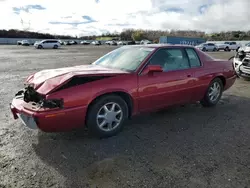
(162, 45)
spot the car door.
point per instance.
(45, 44)
(170, 87)
(210, 46)
(199, 74)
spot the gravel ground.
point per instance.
(187, 146)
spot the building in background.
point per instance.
(181, 40)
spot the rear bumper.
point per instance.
(57, 120)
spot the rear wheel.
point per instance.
(107, 115)
(55, 46)
(213, 93)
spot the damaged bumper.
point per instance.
(34, 116)
(27, 119)
(242, 68)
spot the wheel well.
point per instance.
(223, 79)
(125, 96)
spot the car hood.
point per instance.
(47, 80)
(245, 48)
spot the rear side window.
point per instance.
(193, 58)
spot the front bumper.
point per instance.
(51, 120)
(241, 70)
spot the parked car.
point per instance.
(145, 42)
(131, 43)
(153, 77)
(121, 43)
(241, 62)
(228, 46)
(19, 42)
(25, 43)
(84, 42)
(47, 44)
(245, 48)
(96, 43)
(73, 42)
(207, 47)
(67, 43)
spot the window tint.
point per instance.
(232, 43)
(193, 58)
(210, 44)
(170, 59)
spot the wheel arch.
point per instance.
(123, 94)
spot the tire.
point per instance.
(204, 49)
(237, 49)
(226, 49)
(39, 47)
(55, 46)
(215, 49)
(93, 123)
(207, 101)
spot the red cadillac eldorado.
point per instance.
(127, 81)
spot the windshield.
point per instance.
(124, 58)
(248, 44)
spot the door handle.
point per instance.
(189, 75)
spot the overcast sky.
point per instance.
(87, 17)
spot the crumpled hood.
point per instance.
(46, 80)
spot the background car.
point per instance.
(96, 43)
(25, 43)
(207, 47)
(52, 44)
(19, 42)
(228, 46)
(84, 42)
(153, 77)
(245, 48)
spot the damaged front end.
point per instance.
(31, 96)
(242, 64)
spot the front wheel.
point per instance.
(107, 115)
(56, 46)
(213, 93)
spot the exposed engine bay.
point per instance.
(29, 95)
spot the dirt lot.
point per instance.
(180, 147)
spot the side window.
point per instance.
(193, 58)
(170, 59)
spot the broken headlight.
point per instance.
(52, 103)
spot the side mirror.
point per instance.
(151, 69)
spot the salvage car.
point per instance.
(241, 62)
(126, 81)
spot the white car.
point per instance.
(228, 46)
(241, 64)
(245, 48)
(25, 43)
(47, 44)
(207, 47)
(145, 42)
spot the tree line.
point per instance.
(134, 34)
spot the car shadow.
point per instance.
(161, 145)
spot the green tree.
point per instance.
(138, 35)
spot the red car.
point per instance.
(125, 82)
